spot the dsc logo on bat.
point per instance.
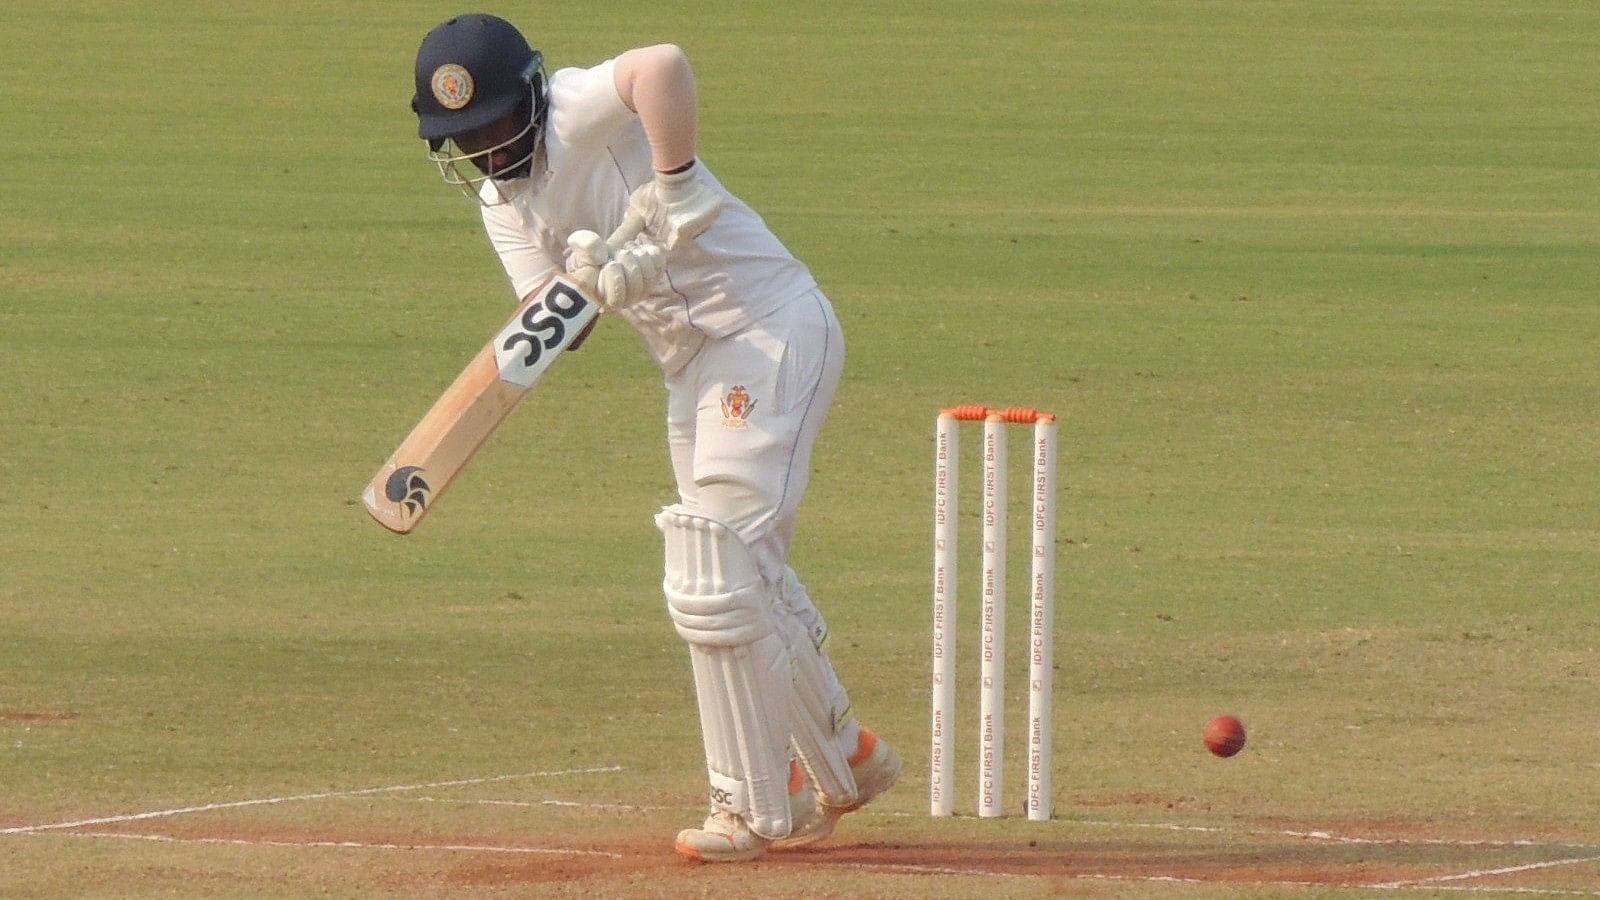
(548, 323)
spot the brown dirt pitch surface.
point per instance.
(510, 843)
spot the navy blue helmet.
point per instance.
(472, 70)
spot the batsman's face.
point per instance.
(501, 149)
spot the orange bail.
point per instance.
(967, 413)
(1015, 415)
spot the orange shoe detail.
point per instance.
(865, 744)
(875, 766)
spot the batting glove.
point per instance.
(690, 204)
(629, 276)
(681, 203)
(587, 254)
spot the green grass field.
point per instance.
(1312, 286)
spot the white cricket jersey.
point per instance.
(734, 274)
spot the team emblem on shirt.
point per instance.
(736, 407)
(452, 86)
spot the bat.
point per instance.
(555, 317)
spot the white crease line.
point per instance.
(573, 804)
(1323, 885)
(209, 807)
(626, 807)
(1179, 879)
(1321, 835)
(1485, 873)
(1486, 889)
(1434, 842)
(240, 842)
(925, 870)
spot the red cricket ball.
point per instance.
(1225, 735)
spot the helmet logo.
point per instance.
(452, 86)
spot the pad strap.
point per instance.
(822, 708)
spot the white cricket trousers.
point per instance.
(742, 418)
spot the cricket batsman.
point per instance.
(592, 173)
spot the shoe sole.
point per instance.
(830, 821)
(693, 854)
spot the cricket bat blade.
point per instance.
(555, 316)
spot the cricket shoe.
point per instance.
(726, 836)
(875, 766)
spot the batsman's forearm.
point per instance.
(657, 83)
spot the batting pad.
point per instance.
(821, 706)
(742, 672)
